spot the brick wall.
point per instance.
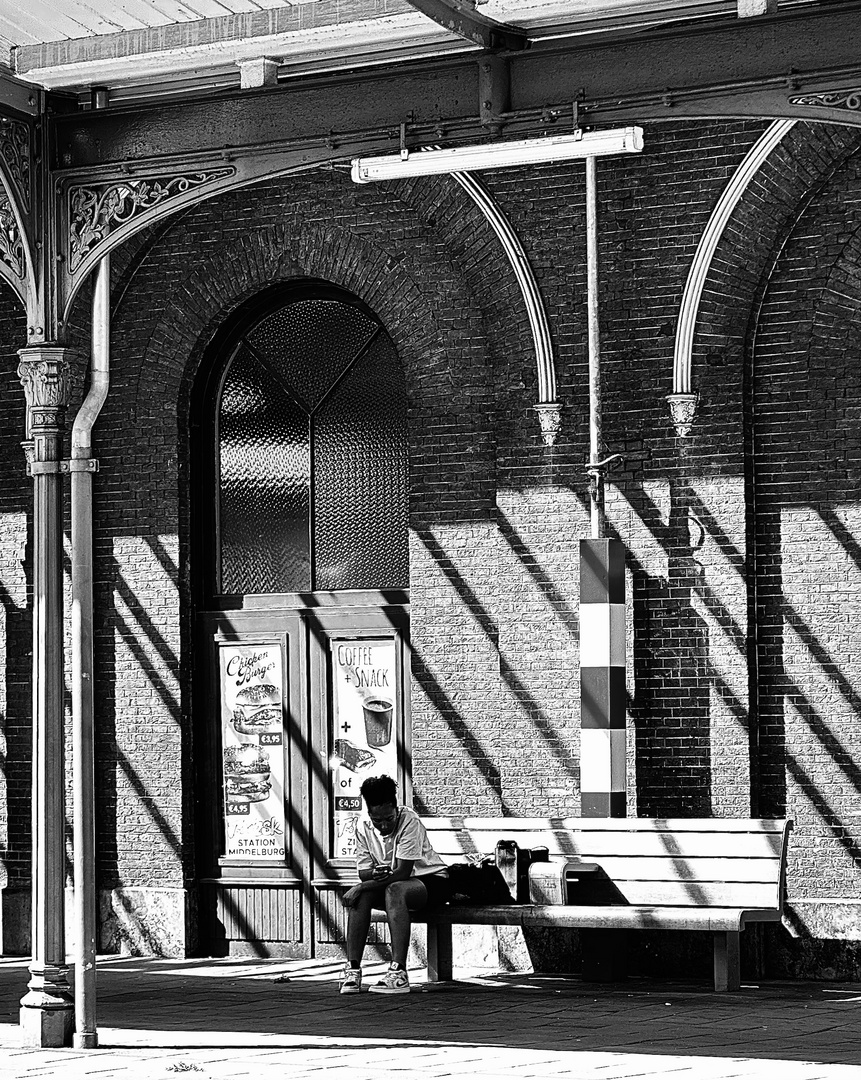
(15, 618)
(496, 516)
(806, 397)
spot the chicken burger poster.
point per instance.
(252, 749)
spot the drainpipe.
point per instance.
(595, 468)
(82, 467)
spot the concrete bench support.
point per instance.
(727, 960)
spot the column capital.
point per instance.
(45, 373)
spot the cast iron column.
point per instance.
(46, 1009)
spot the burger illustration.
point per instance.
(246, 774)
(258, 708)
(242, 789)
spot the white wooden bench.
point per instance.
(712, 874)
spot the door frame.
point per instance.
(304, 624)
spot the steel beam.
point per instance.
(18, 98)
(464, 20)
(761, 67)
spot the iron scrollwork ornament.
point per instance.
(15, 153)
(11, 242)
(831, 99)
(95, 212)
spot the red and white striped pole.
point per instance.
(602, 678)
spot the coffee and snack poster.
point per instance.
(365, 726)
(252, 749)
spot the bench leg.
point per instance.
(439, 953)
(727, 960)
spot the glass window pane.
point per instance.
(361, 477)
(311, 342)
(265, 482)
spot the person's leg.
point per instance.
(359, 923)
(401, 898)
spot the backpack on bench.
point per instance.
(478, 883)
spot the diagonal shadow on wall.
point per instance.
(551, 738)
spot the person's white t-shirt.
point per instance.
(409, 840)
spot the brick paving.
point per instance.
(213, 1019)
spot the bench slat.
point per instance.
(698, 893)
(635, 917)
(706, 869)
(644, 918)
(595, 844)
(638, 825)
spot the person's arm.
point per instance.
(366, 861)
(381, 876)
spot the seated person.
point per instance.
(399, 872)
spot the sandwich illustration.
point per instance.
(246, 774)
(258, 708)
(352, 757)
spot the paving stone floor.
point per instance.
(214, 1019)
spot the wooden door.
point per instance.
(252, 790)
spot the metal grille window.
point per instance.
(312, 454)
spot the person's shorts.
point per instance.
(438, 888)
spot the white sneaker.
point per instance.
(395, 981)
(351, 981)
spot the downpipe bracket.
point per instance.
(73, 465)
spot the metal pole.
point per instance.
(86, 1035)
(46, 1008)
(596, 488)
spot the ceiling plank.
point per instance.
(47, 60)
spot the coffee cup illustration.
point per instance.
(378, 721)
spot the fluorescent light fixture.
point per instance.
(579, 144)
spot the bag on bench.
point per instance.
(479, 883)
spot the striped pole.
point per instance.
(602, 678)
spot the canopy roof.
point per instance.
(144, 48)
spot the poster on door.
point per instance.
(252, 751)
(365, 727)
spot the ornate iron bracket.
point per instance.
(849, 99)
(15, 152)
(12, 258)
(95, 211)
(16, 204)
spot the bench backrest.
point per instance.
(686, 862)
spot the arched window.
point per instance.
(311, 458)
